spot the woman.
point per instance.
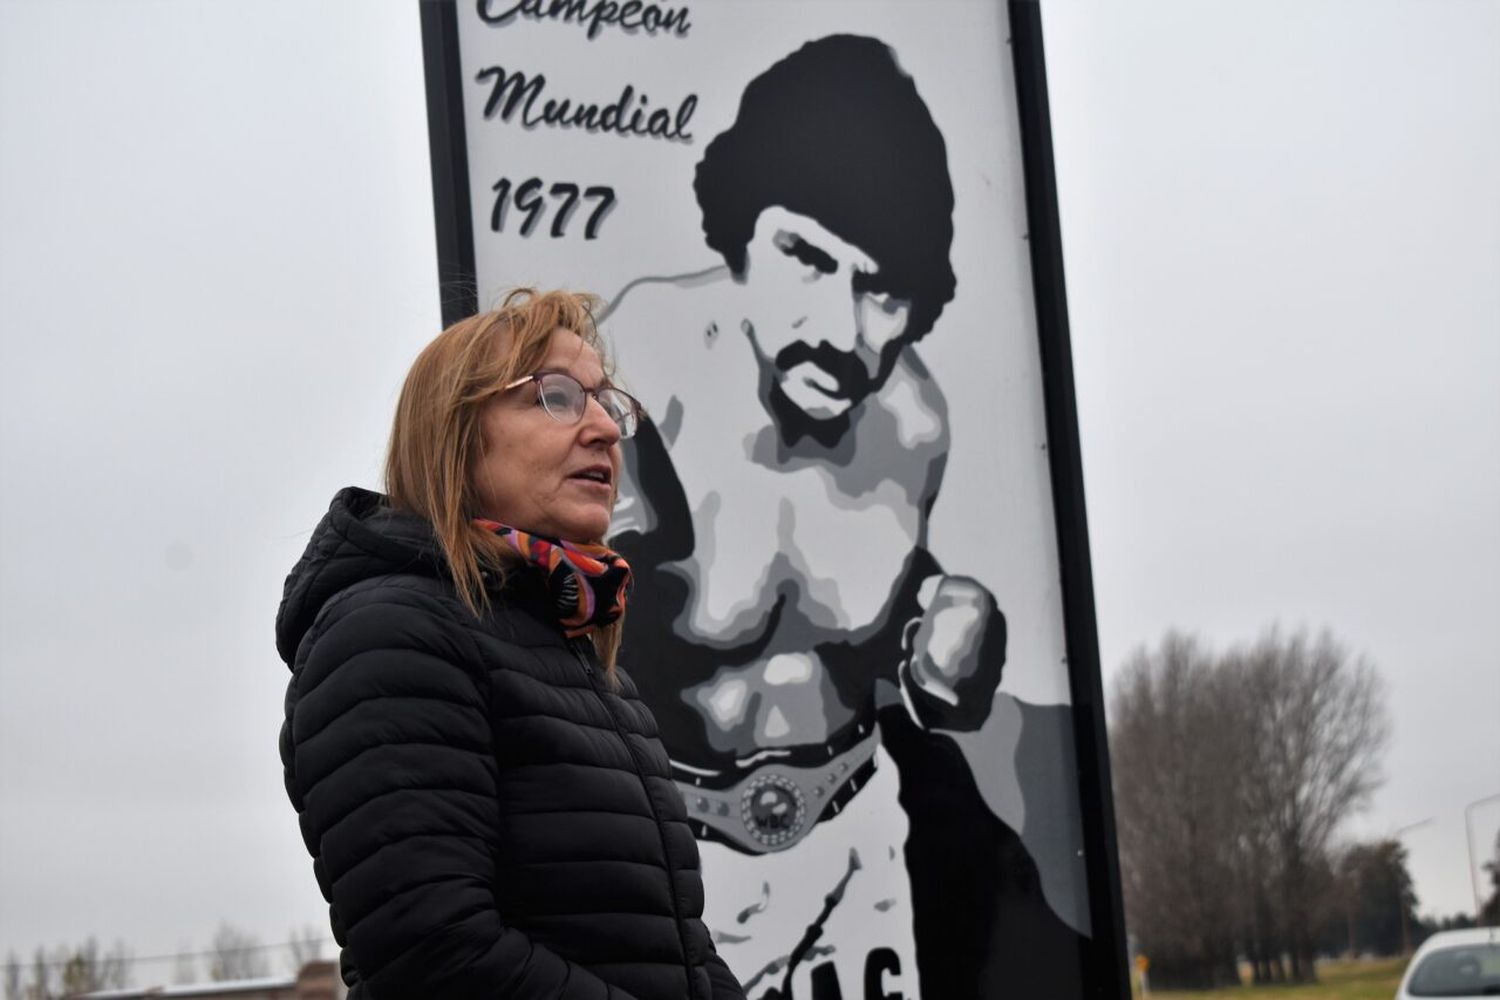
(488, 807)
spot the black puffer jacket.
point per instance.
(486, 818)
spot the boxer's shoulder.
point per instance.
(915, 403)
(900, 435)
(662, 329)
(665, 308)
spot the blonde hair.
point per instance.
(436, 438)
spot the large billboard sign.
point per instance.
(826, 234)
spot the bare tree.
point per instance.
(87, 968)
(237, 955)
(1173, 806)
(68, 971)
(1316, 728)
(184, 966)
(1489, 910)
(1231, 775)
(40, 987)
(306, 945)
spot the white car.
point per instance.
(1455, 964)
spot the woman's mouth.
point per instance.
(595, 478)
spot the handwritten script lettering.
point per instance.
(629, 16)
(510, 92)
(528, 199)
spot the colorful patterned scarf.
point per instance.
(588, 582)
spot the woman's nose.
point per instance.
(598, 424)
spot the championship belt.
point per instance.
(775, 805)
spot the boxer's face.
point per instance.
(824, 324)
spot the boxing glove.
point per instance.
(954, 653)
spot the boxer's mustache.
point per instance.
(848, 371)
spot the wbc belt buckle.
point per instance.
(776, 805)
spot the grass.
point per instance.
(1357, 980)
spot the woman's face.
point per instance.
(544, 476)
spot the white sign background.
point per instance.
(993, 517)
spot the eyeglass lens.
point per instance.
(565, 399)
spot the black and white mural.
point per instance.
(808, 220)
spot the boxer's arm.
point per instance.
(651, 523)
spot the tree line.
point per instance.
(1232, 774)
(70, 970)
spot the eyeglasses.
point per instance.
(564, 398)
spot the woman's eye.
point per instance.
(557, 399)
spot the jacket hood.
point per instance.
(360, 537)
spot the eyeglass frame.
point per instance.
(637, 410)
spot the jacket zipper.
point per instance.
(588, 669)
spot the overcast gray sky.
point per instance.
(1282, 238)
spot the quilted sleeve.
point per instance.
(390, 766)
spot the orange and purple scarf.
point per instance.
(588, 582)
